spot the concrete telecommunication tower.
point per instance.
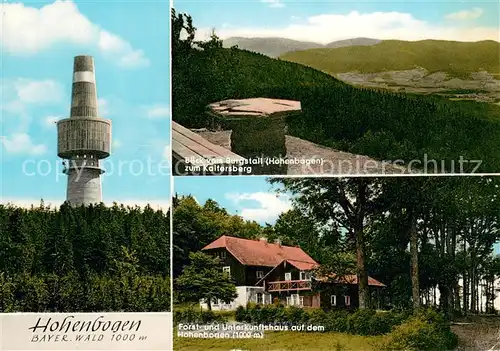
(84, 138)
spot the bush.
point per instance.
(361, 322)
(317, 317)
(428, 330)
(336, 320)
(226, 314)
(190, 315)
(396, 317)
(295, 315)
(240, 314)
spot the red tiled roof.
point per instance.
(262, 253)
(303, 266)
(351, 279)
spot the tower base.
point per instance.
(84, 186)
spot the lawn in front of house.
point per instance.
(282, 341)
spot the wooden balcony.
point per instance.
(289, 285)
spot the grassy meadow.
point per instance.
(283, 341)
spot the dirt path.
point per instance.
(320, 159)
(482, 334)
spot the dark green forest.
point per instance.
(430, 240)
(84, 259)
(383, 125)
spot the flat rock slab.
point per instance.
(254, 107)
(333, 161)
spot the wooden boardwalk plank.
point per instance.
(181, 152)
(186, 143)
(200, 149)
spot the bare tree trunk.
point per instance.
(458, 303)
(473, 286)
(480, 299)
(465, 282)
(444, 298)
(415, 286)
(364, 292)
(364, 289)
(492, 301)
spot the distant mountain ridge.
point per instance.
(352, 42)
(275, 47)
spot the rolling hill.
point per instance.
(274, 47)
(455, 58)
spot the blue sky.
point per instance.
(130, 45)
(326, 21)
(253, 197)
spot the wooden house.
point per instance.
(266, 273)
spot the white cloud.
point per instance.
(157, 111)
(114, 46)
(35, 202)
(14, 107)
(270, 205)
(50, 121)
(274, 3)
(466, 14)
(38, 92)
(19, 93)
(28, 30)
(21, 143)
(116, 143)
(103, 106)
(326, 28)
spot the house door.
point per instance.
(306, 301)
(295, 300)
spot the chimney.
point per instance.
(263, 239)
(277, 242)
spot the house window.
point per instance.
(227, 269)
(305, 275)
(333, 300)
(260, 298)
(288, 276)
(223, 254)
(260, 274)
(347, 300)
